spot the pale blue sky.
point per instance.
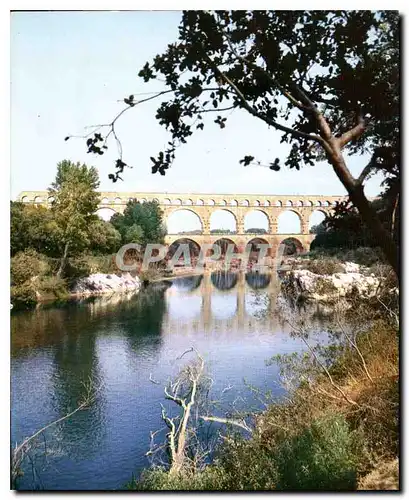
(68, 69)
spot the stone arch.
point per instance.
(104, 201)
(288, 203)
(223, 244)
(24, 199)
(188, 283)
(223, 203)
(245, 203)
(38, 199)
(312, 222)
(177, 201)
(252, 245)
(211, 203)
(299, 203)
(326, 203)
(117, 201)
(287, 224)
(200, 202)
(308, 203)
(318, 203)
(256, 203)
(257, 220)
(267, 203)
(234, 203)
(106, 213)
(156, 200)
(224, 280)
(219, 211)
(258, 281)
(167, 201)
(288, 243)
(278, 203)
(179, 211)
(194, 248)
(50, 199)
(187, 202)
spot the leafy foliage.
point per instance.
(32, 227)
(319, 458)
(140, 223)
(75, 203)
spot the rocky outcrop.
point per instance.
(96, 284)
(304, 284)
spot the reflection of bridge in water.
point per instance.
(245, 310)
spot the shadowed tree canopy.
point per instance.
(327, 81)
(140, 223)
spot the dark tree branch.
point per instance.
(263, 117)
(354, 133)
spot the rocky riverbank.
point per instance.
(340, 280)
(98, 284)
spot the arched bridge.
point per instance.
(204, 205)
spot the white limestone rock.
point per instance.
(106, 283)
(330, 287)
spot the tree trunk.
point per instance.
(63, 260)
(368, 214)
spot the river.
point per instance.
(120, 342)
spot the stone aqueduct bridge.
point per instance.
(204, 205)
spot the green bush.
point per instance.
(23, 295)
(211, 478)
(322, 457)
(53, 286)
(84, 265)
(27, 265)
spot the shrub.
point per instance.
(150, 274)
(23, 295)
(321, 457)
(211, 478)
(84, 265)
(27, 265)
(54, 286)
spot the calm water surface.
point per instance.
(119, 342)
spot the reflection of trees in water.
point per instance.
(73, 332)
(75, 363)
(258, 304)
(224, 280)
(188, 283)
(46, 326)
(258, 280)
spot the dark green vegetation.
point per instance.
(337, 425)
(345, 230)
(52, 247)
(327, 81)
(140, 223)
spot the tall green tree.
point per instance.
(32, 227)
(74, 206)
(327, 81)
(140, 223)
